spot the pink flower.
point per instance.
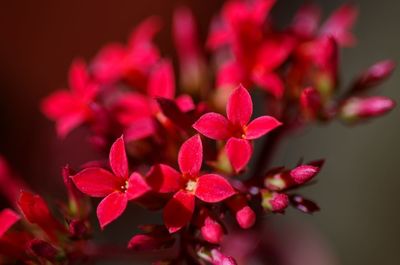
(187, 185)
(236, 128)
(117, 186)
(69, 109)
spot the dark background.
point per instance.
(358, 188)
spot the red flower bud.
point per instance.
(304, 205)
(212, 231)
(245, 216)
(78, 229)
(43, 249)
(278, 179)
(310, 102)
(356, 108)
(374, 75)
(303, 173)
(274, 202)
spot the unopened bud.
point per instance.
(310, 102)
(78, 229)
(278, 179)
(304, 205)
(218, 258)
(374, 75)
(212, 231)
(245, 216)
(274, 202)
(303, 173)
(43, 249)
(357, 108)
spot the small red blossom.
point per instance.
(118, 187)
(187, 185)
(69, 109)
(236, 128)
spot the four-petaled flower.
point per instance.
(187, 185)
(236, 129)
(117, 187)
(72, 108)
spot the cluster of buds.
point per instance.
(186, 148)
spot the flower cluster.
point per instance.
(191, 147)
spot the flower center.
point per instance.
(239, 131)
(191, 185)
(124, 186)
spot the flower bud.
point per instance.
(43, 249)
(78, 229)
(278, 179)
(310, 102)
(218, 258)
(303, 173)
(274, 202)
(374, 75)
(245, 216)
(212, 231)
(356, 108)
(304, 205)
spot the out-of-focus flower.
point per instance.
(69, 109)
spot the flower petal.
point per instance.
(213, 125)
(190, 156)
(239, 152)
(111, 207)
(137, 186)
(213, 188)
(140, 129)
(118, 160)
(7, 218)
(36, 211)
(339, 25)
(163, 178)
(178, 211)
(240, 106)
(261, 126)
(271, 83)
(96, 182)
(67, 123)
(162, 81)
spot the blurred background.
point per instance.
(357, 189)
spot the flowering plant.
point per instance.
(192, 148)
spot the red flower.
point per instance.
(69, 109)
(117, 187)
(236, 129)
(187, 185)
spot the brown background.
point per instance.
(359, 187)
